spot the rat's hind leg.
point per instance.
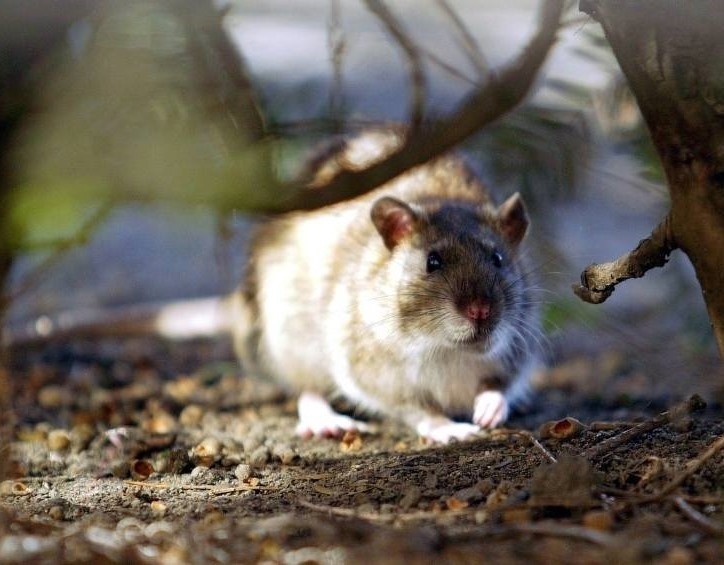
(316, 418)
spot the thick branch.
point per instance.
(503, 91)
(599, 280)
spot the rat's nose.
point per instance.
(478, 310)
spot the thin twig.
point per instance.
(698, 518)
(561, 531)
(503, 91)
(337, 45)
(534, 442)
(206, 488)
(692, 404)
(469, 43)
(599, 280)
(386, 518)
(81, 237)
(693, 466)
(447, 67)
(608, 426)
(418, 85)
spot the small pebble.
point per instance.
(516, 515)
(121, 469)
(206, 452)
(259, 456)
(141, 469)
(56, 512)
(598, 520)
(285, 454)
(410, 497)
(678, 555)
(469, 495)
(81, 436)
(158, 508)
(160, 422)
(58, 440)
(54, 396)
(201, 474)
(242, 472)
(251, 443)
(178, 461)
(191, 415)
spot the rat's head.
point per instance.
(459, 278)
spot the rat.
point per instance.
(412, 301)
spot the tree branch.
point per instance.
(417, 75)
(599, 280)
(502, 92)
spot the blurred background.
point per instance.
(120, 174)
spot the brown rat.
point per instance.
(411, 301)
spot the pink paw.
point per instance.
(442, 430)
(317, 419)
(490, 409)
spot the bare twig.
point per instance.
(607, 426)
(204, 488)
(693, 466)
(531, 439)
(599, 280)
(501, 93)
(698, 518)
(561, 531)
(61, 247)
(447, 67)
(417, 74)
(692, 404)
(337, 45)
(470, 45)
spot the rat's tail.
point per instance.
(187, 319)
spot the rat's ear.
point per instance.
(394, 219)
(513, 219)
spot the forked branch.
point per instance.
(503, 90)
(414, 59)
(599, 280)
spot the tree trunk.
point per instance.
(672, 54)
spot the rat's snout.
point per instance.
(478, 310)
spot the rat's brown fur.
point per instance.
(337, 302)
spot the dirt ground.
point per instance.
(137, 451)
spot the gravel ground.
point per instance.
(142, 451)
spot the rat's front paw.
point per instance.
(329, 425)
(317, 419)
(490, 409)
(441, 430)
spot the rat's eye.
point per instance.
(497, 259)
(434, 261)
